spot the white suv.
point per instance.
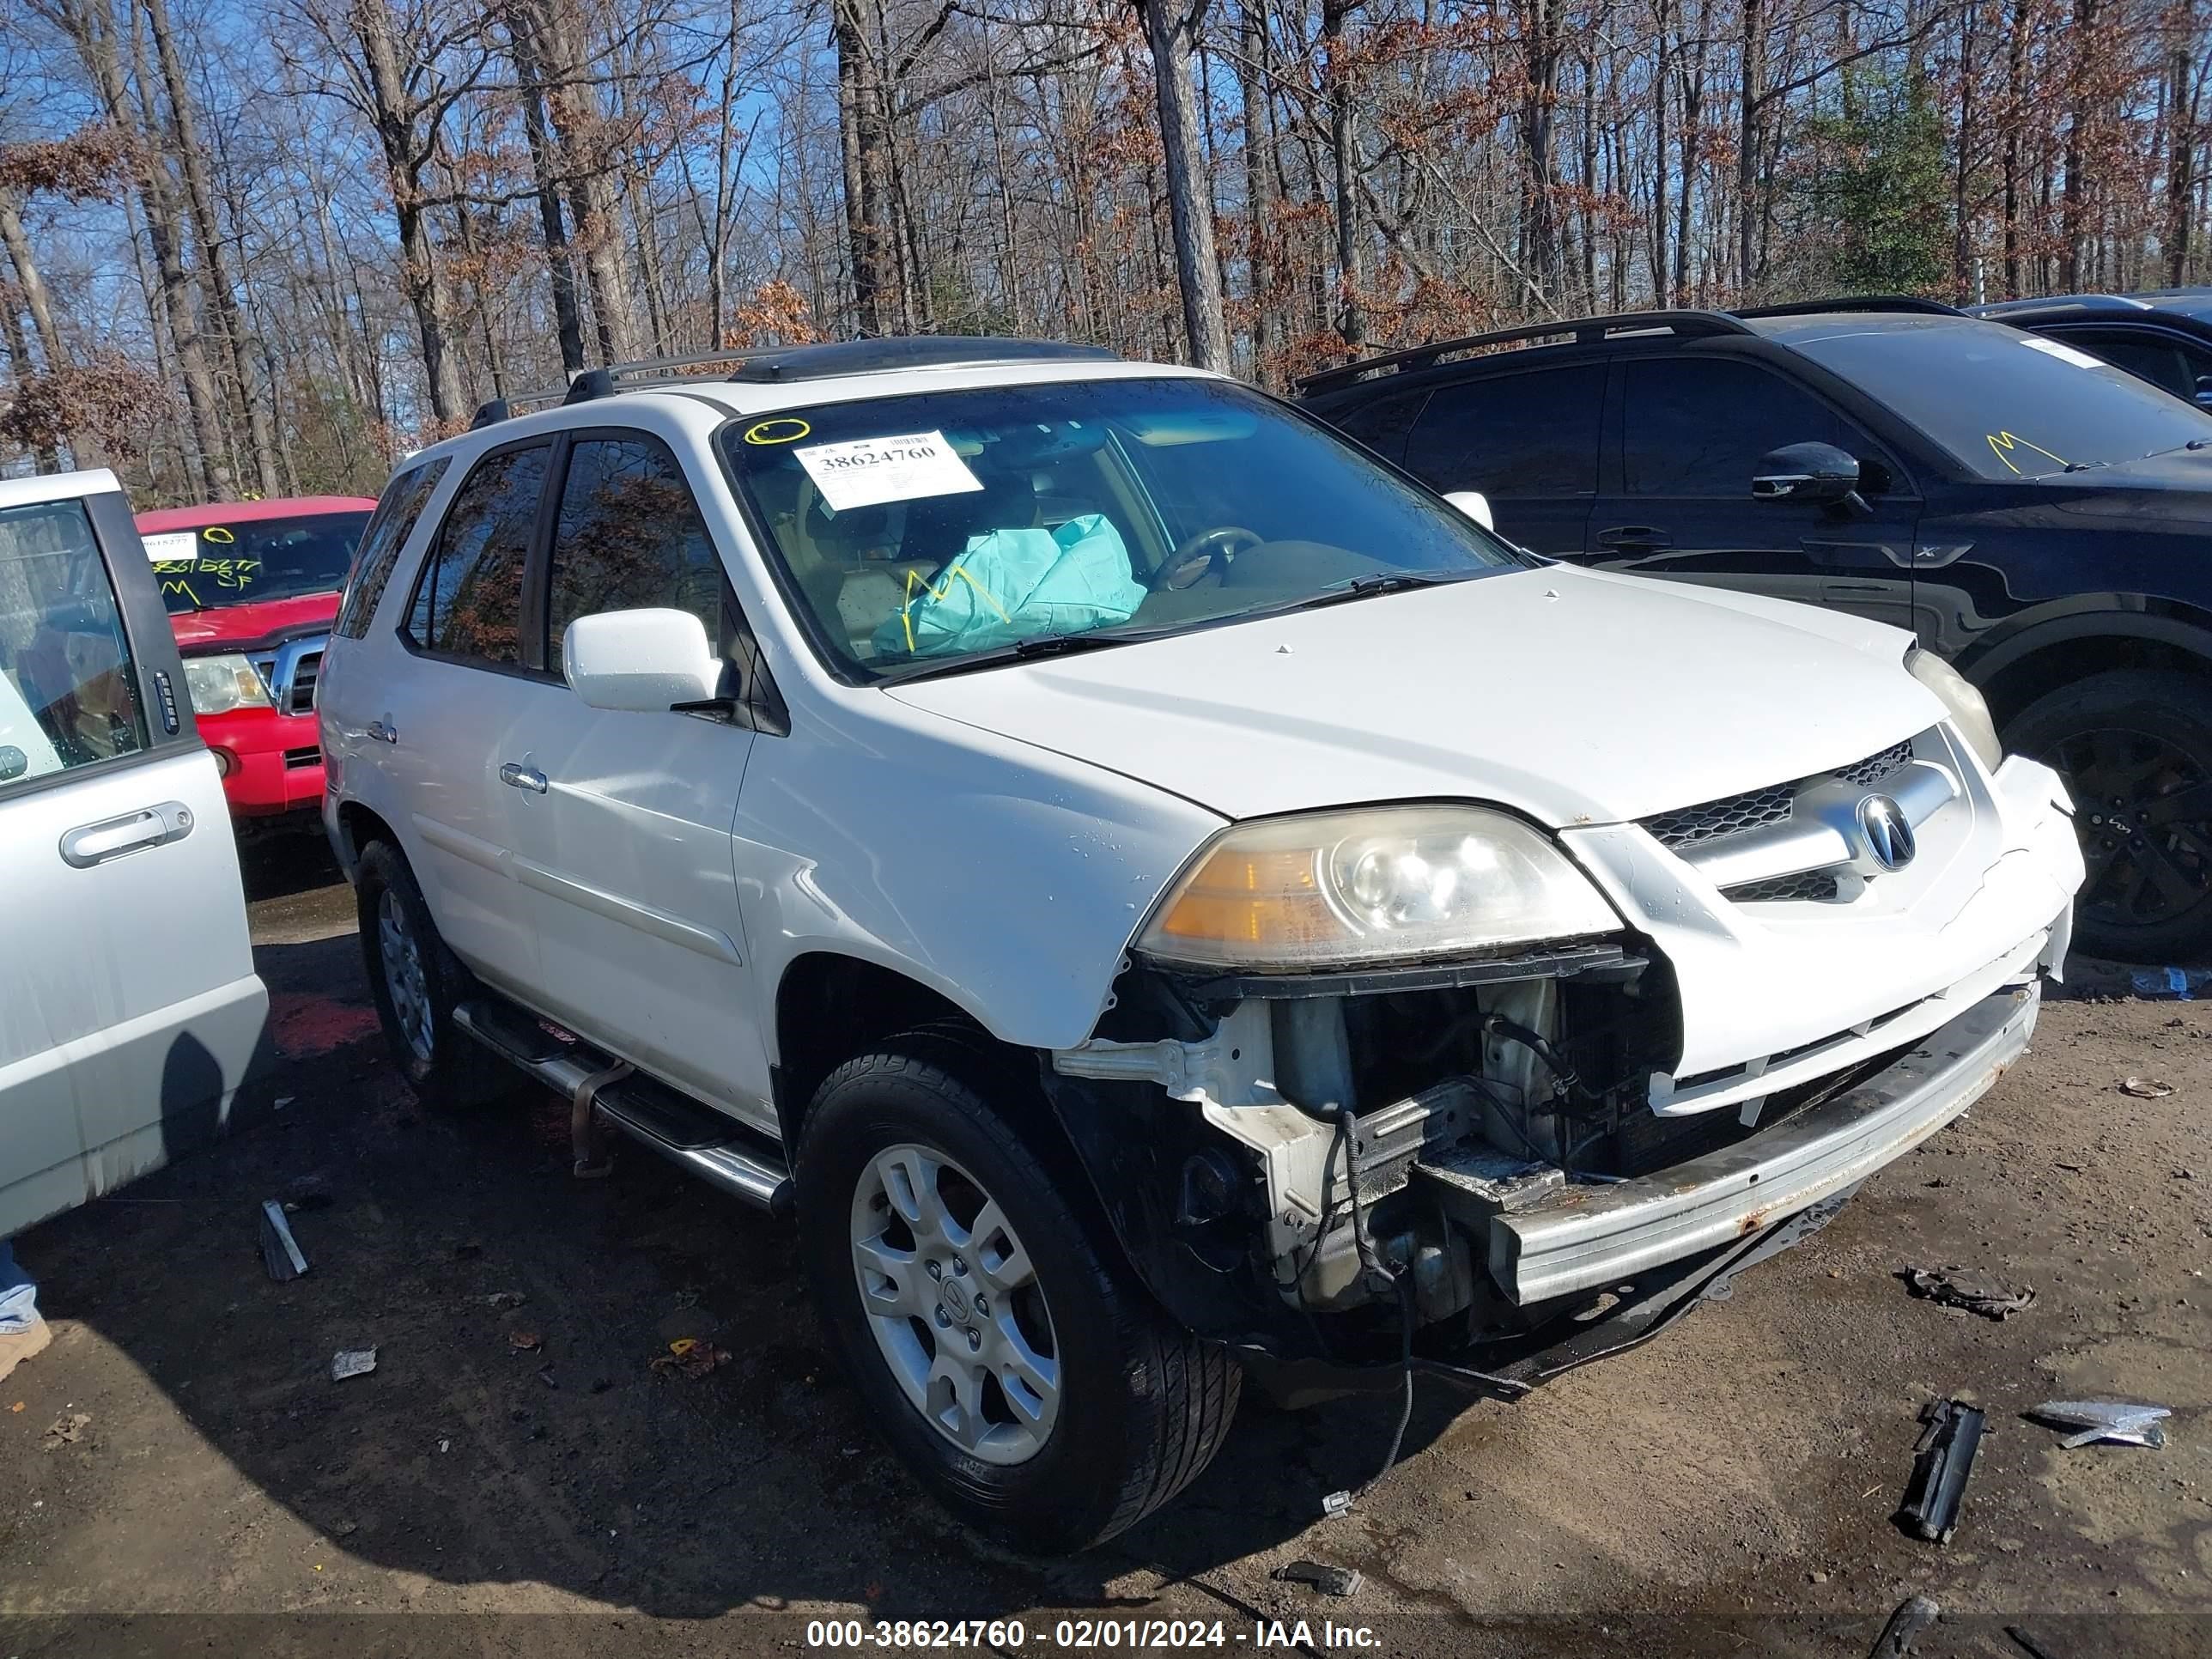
(1160, 897)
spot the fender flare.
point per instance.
(2084, 617)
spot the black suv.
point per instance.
(2164, 337)
(2039, 517)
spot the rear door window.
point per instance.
(468, 600)
(2148, 355)
(629, 536)
(1383, 423)
(401, 505)
(1511, 435)
(69, 689)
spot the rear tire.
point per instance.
(2135, 748)
(1067, 1408)
(417, 982)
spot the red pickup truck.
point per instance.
(251, 589)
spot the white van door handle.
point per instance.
(523, 777)
(382, 733)
(111, 838)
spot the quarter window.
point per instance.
(468, 601)
(69, 691)
(1514, 435)
(629, 536)
(403, 502)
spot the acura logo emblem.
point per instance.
(1888, 836)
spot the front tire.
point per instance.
(417, 983)
(2135, 748)
(1063, 1408)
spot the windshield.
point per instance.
(2008, 404)
(961, 527)
(255, 559)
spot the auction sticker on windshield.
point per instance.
(168, 546)
(869, 471)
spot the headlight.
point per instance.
(219, 684)
(1382, 885)
(1967, 711)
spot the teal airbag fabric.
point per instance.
(1016, 584)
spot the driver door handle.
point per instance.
(111, 838)
(1633, 535)
(523, 777)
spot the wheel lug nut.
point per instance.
(959, 1269)
(982, 1308)
(943, 1317)
(975, 1340)
(936, 1270)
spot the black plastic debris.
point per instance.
(2120, 1422)
(1972, 1292)
(1329, 1581)
(280, 1251)
(1943, 1459)
(1913, 1616)
(2026, 1643)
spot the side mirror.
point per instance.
(1475, 505)
(2205, 391)
(1806, 472)
(640, 661)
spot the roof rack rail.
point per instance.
(1585, 331)
(1909, 304)
(2051, 305)
(781, 365)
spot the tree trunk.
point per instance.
(579, 128)
(2074, 205)
(2181, 144)
(561, 267)
(1344, 146)
(1171, 31)
(420, 277)
(879, 290)
(2016, 115)
(1260, 198)
(214, 279)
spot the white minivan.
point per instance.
(1158, 896)
(129, 1006)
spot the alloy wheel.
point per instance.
(404, 981)
(952, 1299)
(2144, 811)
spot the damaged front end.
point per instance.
(1490, 1164)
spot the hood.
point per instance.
(1575, 697)
(240, 625)
(2170, 491)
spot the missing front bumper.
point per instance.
(1587, 1237)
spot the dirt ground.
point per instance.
(1725, 1489)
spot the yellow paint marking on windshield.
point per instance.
(175, 575)
(2000, 442)
(217, 534)
(786, 429)
(915, 577)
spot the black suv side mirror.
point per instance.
(1806, 472)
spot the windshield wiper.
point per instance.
(1395, 581)
(1045, 645)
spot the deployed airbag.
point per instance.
(1009, 585)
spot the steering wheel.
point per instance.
(1208, 553)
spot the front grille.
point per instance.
(1690, 826)
(1806, 885)
(1875, 768)
(304, 675)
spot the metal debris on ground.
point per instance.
(2144, 1088)
(2121, 1422)
(1329, 1581)
(689, 1357)
(65, 1430)
(1941, 1462)
(280, 1251)
(352, 1362)
(1914, 1615)
(1336, 1503)
(1969, 1291)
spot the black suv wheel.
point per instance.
(2135, 747)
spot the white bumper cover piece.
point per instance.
(1589, 1236)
